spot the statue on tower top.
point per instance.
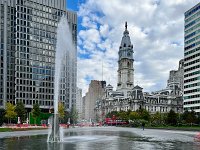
(126, 31)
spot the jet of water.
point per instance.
(65, 49)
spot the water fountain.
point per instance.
(64, 48)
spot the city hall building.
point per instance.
(130, 97)
(28, 35)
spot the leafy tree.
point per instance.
(184, 116)
(73, 115)
(128, 112)
(97, 118)
(164, 118)
(2, 116)
(134, 115)
(144, 114)
(172, 118)
(156, 118)
(189, 117)
(61, 110)
(10, 112)
(36, 111)
(66, 117)
(21, 111)
(123, 115)
(110, 114)
(198, 119)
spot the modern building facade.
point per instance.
(192, 59)
(95, 92)
(28, 46)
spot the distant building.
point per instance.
(191, 60)
(95, 92)
(175, 82)
(129, 97)
(79, 103)
(176, 76)
(155, 102)
(83, 108)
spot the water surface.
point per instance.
(104, 139)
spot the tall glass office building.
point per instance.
(27, 50)
(192, 59)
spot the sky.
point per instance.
(156, 29)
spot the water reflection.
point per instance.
(94, 140)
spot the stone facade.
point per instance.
(137, 99)
(95, 92)
(176, 76)
(125, 64)
(79, 103)
(127, 97)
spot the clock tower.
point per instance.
(125, 64)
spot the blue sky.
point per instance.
(72, 4)
(156, 31)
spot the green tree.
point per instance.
(189, 117)
(172, 118)
(192, 117)
(66, 117)
(36, 111)
(144, 114)
(134, 115)
(73, 115)
(10, 112)
(110, 114)
(123, 115)
(164, 118)
(2, 116)
(21, 111)
(156, 118)
(198, 119)
(184, 116)
(61, 110)
(97, 117)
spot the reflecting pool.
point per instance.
(104, 139)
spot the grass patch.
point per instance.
(184, 128)
(19, 129)
(5, 129)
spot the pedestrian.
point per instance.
(143, 124)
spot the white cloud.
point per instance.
(104, 29)
(156, 30)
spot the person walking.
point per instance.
(143, 124)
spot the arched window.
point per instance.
(128, 64)
(128, 76)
